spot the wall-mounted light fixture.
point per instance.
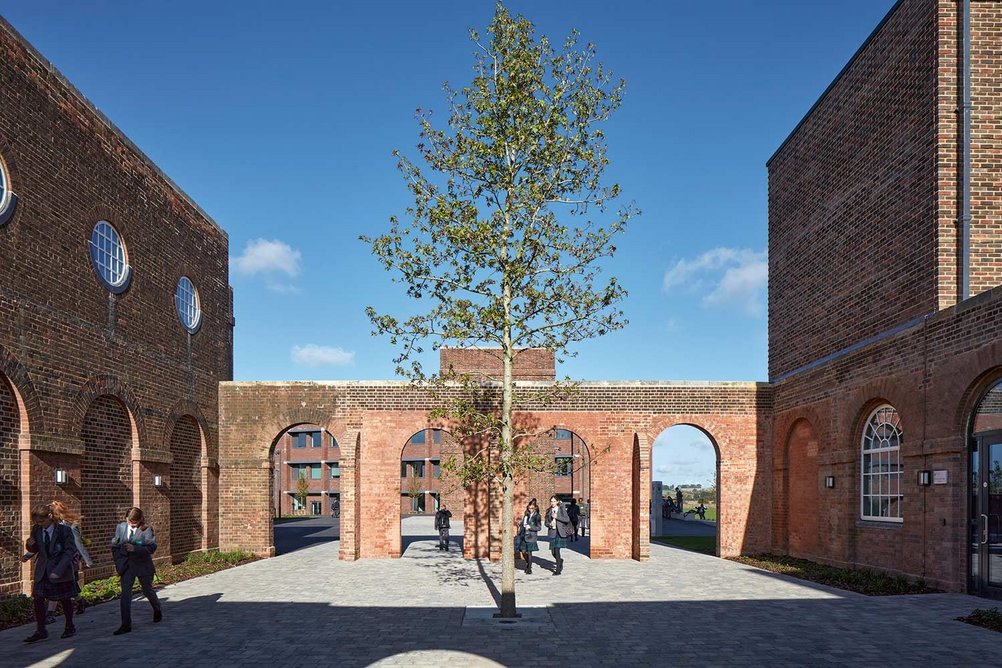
(830, 481)
(157, 481)
(925, 477)
(61, 477)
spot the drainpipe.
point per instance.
(965, 112)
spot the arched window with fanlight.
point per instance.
(881, 492)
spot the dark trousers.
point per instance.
(146, 583)
(42, 611)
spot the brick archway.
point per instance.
(611, 418)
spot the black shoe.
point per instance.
(528, 570)
(158, 614)
(81, 606)
(124, 628)
(69, 633)
(50, 619)
(36, 636)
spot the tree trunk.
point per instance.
(507, 479)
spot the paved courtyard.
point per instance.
(306, 608)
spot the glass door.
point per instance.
(986, 514)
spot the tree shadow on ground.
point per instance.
(216, 631)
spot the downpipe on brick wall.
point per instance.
(965, 169)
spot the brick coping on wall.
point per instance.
(68, 85)
(518, 383)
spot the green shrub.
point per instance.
(16, 610)
(861, 580)
(989, 619)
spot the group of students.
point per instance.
(559, 528)
(58, 549)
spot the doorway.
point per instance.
(986, 514)
(985, 496)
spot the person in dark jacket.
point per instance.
(574, 513)
(132, 548)
(442, 517)
(559, 529)
(52, 546)
(528, 534)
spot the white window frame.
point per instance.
(8, 200)
(103, 256)
(189, 311)
(882, 425)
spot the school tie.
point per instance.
(46, 540)
(132, 532)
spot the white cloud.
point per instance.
(263, 256)
(314, 355)
(281, 288)
(726, 276)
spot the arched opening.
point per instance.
(425, 488)
(305, 488)
(185, 488)
(685, 494)
(802, 485)
(566, 474)
(106, 487)
(10, 487)
(985, 494)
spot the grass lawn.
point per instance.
(701, 544)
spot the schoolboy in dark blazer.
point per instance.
(132, 548)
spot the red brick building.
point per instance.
(885, 257)
(310, 454)
(115, 326)
(877, 441)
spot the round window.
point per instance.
(189, 307)
(109, 257)
(7, 198)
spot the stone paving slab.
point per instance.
(307, 609)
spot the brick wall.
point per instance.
(184, 488)
(106, 484)
(605, 416)
(852, 197)
(934, 374)
(11, 541)
(530, 363)
(67, 343)
(986, 147)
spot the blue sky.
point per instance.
(279, 120)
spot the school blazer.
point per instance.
(58, 559)
(140, 561)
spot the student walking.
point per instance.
(52, 546)
(528, 534)
(559, 528)
(133, 547)
(442, 517)
(71, 519)
(585, 511)
(574, 513)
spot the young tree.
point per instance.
(414, 490)
(302, 489)
(500, 246)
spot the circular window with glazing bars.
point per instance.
(109, 257)
(189, 306)
(7, 198)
